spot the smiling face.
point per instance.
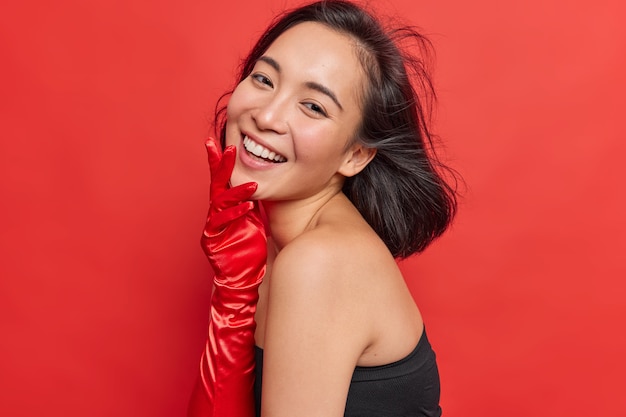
(294, 116)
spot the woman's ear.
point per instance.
(357, 158)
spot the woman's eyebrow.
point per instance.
(309, 84)
(324, 90)
(271, 62)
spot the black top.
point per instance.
(406, 388)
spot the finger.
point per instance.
(233, 196)
(257, 218)
(214, 152)
(222, 218)
(221, 176)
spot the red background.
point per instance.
(104, 289)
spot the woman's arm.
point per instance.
(315, 330)
(235, 243)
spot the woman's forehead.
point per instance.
(319, 52)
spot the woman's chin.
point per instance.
(237, 179)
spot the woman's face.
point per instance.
(292, 118)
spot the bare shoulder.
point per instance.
(336, 273)
(335, 253)
(321, 261)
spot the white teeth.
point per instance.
(260, 151)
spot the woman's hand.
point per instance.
(234, 238)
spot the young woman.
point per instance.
(327, 176)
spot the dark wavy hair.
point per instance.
(402, 192)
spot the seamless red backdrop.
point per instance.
(104, 107)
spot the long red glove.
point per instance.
(234, 240)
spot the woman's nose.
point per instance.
(271, 115)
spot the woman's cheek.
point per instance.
(238, 100)
(236, 178)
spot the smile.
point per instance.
(261, 151)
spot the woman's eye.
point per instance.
(260, 78)
(315, 108)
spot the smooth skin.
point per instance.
(332, 297)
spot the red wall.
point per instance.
(103, 186)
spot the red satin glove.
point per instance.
(234, 240)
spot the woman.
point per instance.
(326, 143)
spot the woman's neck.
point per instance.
(289, 219)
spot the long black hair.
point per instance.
(402, 192)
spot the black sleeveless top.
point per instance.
(406, 388)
